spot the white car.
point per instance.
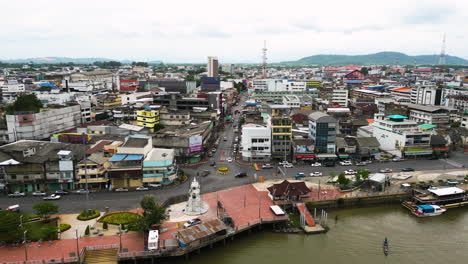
(82, 191)
(346, 163)
(17, 194)
(192, 222)
(154, 185)
(283, 162)
(288, 165)
(52, 197)
(386, 170)
(267, 166)
(121, 190)
(316, 174)
(350, 172)
(141, 188)
(229, 160)
(316, 164)
(39, 193)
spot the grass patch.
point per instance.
(64, 227)
(119, 218)
(40, 230)
(86, 215)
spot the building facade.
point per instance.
(323, 129)
(256, 143)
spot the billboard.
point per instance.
(195, 143)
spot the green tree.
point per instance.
(86, 232)
(148, 202)
(153, 213)
(45, 209)
(104, 226)
(332, 176)
(365, 70)
(9, 223)
(189, 77)
(342, 180)
(364, 174)
(24, 103)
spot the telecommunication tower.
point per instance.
(442, 52)
(264, 59)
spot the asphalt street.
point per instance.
(74, 203)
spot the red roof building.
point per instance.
(292, 191)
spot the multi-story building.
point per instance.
(281, 131)
(292, 101)
(278, 85)
(174, 117)
(212, 66)
(93, 172)
(340, 96)
(313, 84)
(464, 120)
(427, 95)
(10, 89)
(400, 136)
(126, 165)
(148, 118)
(426, 114)
(30, 165)
(36, 126)
(256, 143)
(159, 166)
(323, 129)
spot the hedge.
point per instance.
(64, 227)
(119, 218)
(86, 215)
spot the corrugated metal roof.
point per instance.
(200, 231)
(118, 157)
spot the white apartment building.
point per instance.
(292, 101)
(212, 66)
(426, 95)
(256, 143)
(340, 96)
(139, 97)
(464, 121)
(278, 85)
(426, 114)
(37, 126)
(400, 136)
(10, 89)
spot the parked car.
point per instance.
(299, 175)
(205, 173)
(229, 160)
(61, 192)
(52, 197)
(316, 174)
(397, 159)
(82, 191)
(346, 163)
(154, 185)
(241, 175)
(39, 193)
(362, 163)
(386, 170)
(289, 165)
(316, 164)
(212, 163)
(192, 222)
(267, 166)
(17, 194)
(283, 162)
(349, 172)
(142, 188)
(407, 169)
(121, 190)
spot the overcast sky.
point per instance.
(189, 31)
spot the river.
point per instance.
(356, 237)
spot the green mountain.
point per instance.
(56, 60)
(387, 58)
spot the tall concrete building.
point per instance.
(281, 131)
(212, 66)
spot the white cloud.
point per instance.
(188, 31)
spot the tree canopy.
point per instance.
(153, 213)
(25, 103)
(45, 209)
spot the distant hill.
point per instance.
(380, 58)
(56, 60)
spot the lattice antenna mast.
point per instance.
(264, 59)
(442, 52)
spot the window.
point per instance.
(25, 177)
(13, 176)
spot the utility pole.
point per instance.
(77, 248)
(25, 245)
(86, 168)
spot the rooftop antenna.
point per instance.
(442, 52)
(264, 59)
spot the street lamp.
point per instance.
(77, 248)
(25, 245)
(120, 239)
(86, 169)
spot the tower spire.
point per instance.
(264, 59)
(442, 52)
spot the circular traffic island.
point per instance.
(223, 170)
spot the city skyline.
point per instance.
(164, 31)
